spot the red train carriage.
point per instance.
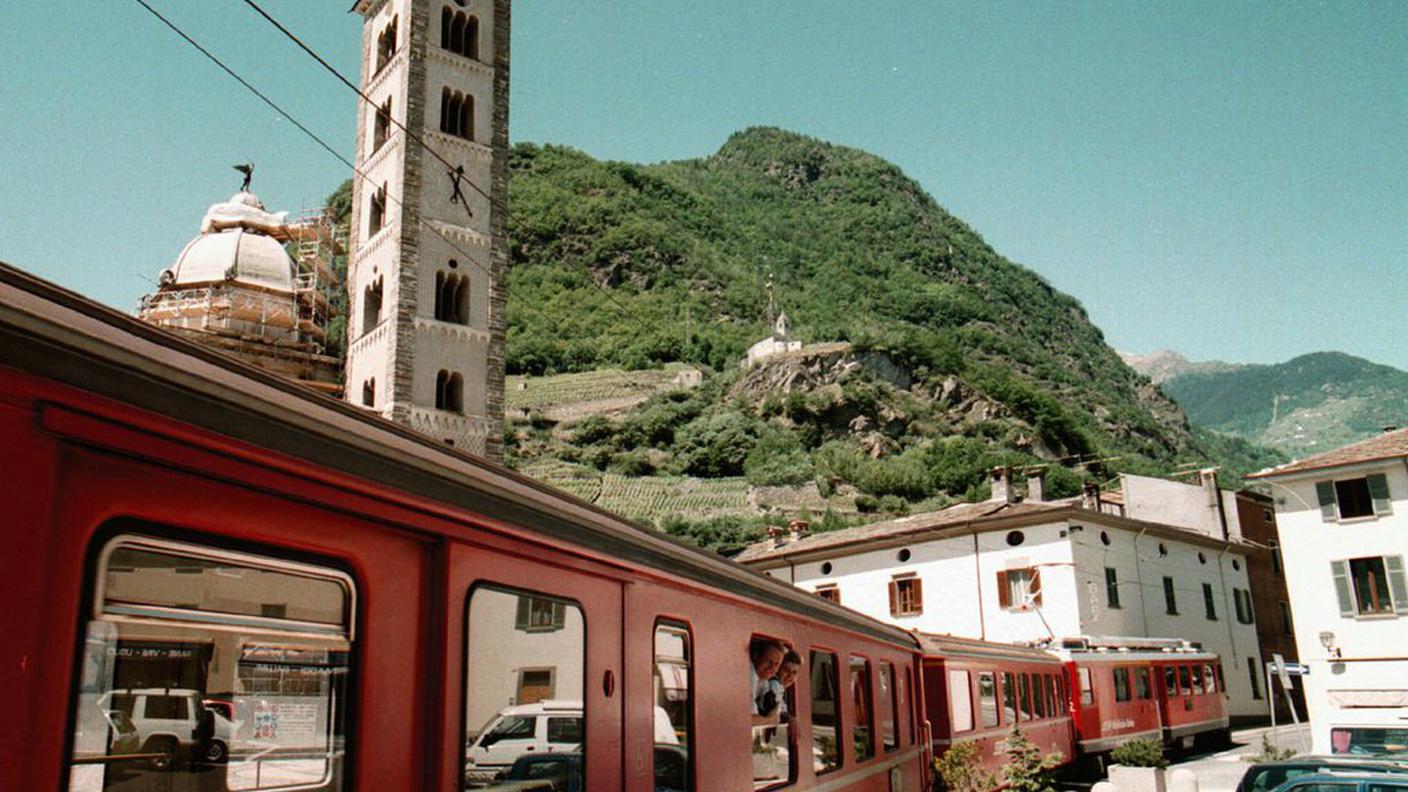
(218, 581)
(1144, 688)
(977, 691)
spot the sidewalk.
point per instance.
(1220, 772)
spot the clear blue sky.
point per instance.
(1226, 179)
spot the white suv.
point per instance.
(168, 723)
(545, 727)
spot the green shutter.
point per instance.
(1396, 584)
(1378, 490)
(1325, 492)
(1340, 569)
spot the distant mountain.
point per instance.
(1308, 404)
(1165, 364)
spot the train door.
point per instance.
(535, 670)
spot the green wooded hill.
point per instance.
(945, 358)
(1311, 403)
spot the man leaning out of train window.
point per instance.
(765, 656)
(774, 700)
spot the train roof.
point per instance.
(933, 645)
(61, 335)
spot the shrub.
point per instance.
(1270, 753)
(958, 769)
(632, 463)
(867, 504)
(1139, 753)
(1027, 769)
(894, 504)
(777, 460)
(592, 430)
(716, 444)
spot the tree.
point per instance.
(959, 769)
(1027, 770)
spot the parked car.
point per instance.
(168, 723)
(550, 772)
(551, 726)
(1346, 782)
(1266, 776)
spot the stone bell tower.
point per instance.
(428, 249)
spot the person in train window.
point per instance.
(766, 656)
(774, 700)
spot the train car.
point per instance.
(218, 580)
(976, 691)
(1137, 688)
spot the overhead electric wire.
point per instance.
(359, 172)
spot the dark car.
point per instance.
(1346, 782)
(548, 772)
(1267, 776)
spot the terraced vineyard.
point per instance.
(654, 497)
(544, 393)
(577, 480)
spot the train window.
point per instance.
(1121, 676)
(960, 701)
(826, 712)
(1141, 684)
(774, 760)
(1051, 708)
(987, 698)
(1185, 681)
(509, 709)
(1024, 697)
(211, 669)
(1009, 698)
(1210, 677)
(912, 705)
(1087, 691)
(1198, 680)
(1170, 682)
(674, 707)
(863, 729)
(889, 708)
(1038, 697)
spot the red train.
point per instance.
(216, 580)
(1081, 700)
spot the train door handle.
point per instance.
(608, 683)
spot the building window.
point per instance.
(1288, 627)
(1112, 588)
(1170, 598)
(906, 596)
(1254, 674)
(371, 306)
(457, 114)
(369, 393)
(826, 711)
(533, 614)
(1209, 602)
(452, 298)
(386, 44)
(1242, 599)
(381, 129)
(459, 32)
(1121, 676)
(1019, 589)
(1370, 586)
(1277, 563)
(1348, 499)
(376, 214)
(832, 593)
(449, 392)
(673, 658)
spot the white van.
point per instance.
(167, 723)
(550, 726)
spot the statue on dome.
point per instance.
(248, 170)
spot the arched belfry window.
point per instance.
(386, 44)
(382, 129)
(452, 298)
(376, 214)
(459, 32)
(369, 393)
(371, 306)
(449, 392)
(456, 114)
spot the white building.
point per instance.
(1343, 517)
(1034, 571)
(778, 343)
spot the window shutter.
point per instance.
(1378, 490)
(1325, 492)
(894, 598)
(559, 615)
(919, 595)
(1340, 569)
(1004, 593)
(1035, 589)
(1396, 584)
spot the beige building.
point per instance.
(429, 252)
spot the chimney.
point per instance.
(1002, 485)
(1036, 486)
(1090, 496)
(796, 529)
(776, 535)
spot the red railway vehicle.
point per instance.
(976, 691)
(1124, 689)
(371, 608)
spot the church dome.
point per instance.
(237, 255)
